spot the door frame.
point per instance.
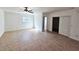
(43, 24)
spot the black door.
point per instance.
(55, 25)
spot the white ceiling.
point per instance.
(50, 9)
(12, 9)
(35, 9)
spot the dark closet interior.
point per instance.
(55, 24)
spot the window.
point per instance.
(28, 21)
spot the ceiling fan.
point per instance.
(28, 10)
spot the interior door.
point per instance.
(55, 25)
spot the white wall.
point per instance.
(12, 21)
(75, 26)
(38, 17)
(1, 22)
(72, 30)
(64, 25)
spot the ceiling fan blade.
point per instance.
(26, 9)
(30, 11)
